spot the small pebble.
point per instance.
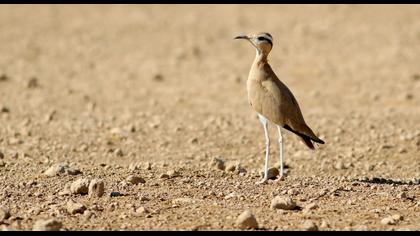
(218, 163)
(402, 195)
(135, 180)
(388, 221)
(4, 77)
(116, 194)
(80, 186)
(173, 173)
(231, 167)
(311, 206)
(272, 173)
(4, 109)
(142, 210)
(61, 168)
(75, 207)
(47, 225)
(309, 225)
(4, 213)
(397, 217)
(164, 176)
(285, 203)
(32, 83)
(246, 220)
(158, 77)
(96, 188)
(118, 152)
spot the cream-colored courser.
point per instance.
(272, 100)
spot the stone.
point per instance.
(61, 168)
(284, 203)
(272, 173)
(116, 194)
(80, 186)
(388, 221)
(96, 188)
(311, 206)
(173, 173)
(47, 225)
(246, 220)
(142, 210)
(75, 207)
(309, 225)
(402, 195)
(135, 180)
(218, 163)
(4, 213)
(397, 217)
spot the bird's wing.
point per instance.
(290, 115)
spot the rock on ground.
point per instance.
(309, 225)
(284, 203)
(80, 186)
(135, 180)
(96, 188)
(62, 168)
(247, 220)
(4, 213)
(75, 207)
(47, 225)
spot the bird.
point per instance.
(273, 101)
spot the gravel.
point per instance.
(246, 220)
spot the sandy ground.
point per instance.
(114, 90)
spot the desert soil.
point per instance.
(158, 92)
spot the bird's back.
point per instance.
(272, 98)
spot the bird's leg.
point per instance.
(264, 122)
(281, 153)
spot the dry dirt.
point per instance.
(109, 89)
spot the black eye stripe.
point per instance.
(261, 38)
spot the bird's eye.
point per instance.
(261, 38)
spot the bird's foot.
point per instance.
(263, 181)
(280, 178)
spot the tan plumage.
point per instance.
(272, 100)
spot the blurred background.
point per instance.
(159, 91)
(168, 82)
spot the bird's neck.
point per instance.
(260, 58)
(259, 67)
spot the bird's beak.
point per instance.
(242, 37)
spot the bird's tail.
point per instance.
(307, 141)
(306, 138)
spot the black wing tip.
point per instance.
(320, 141)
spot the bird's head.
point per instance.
(263, 42)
